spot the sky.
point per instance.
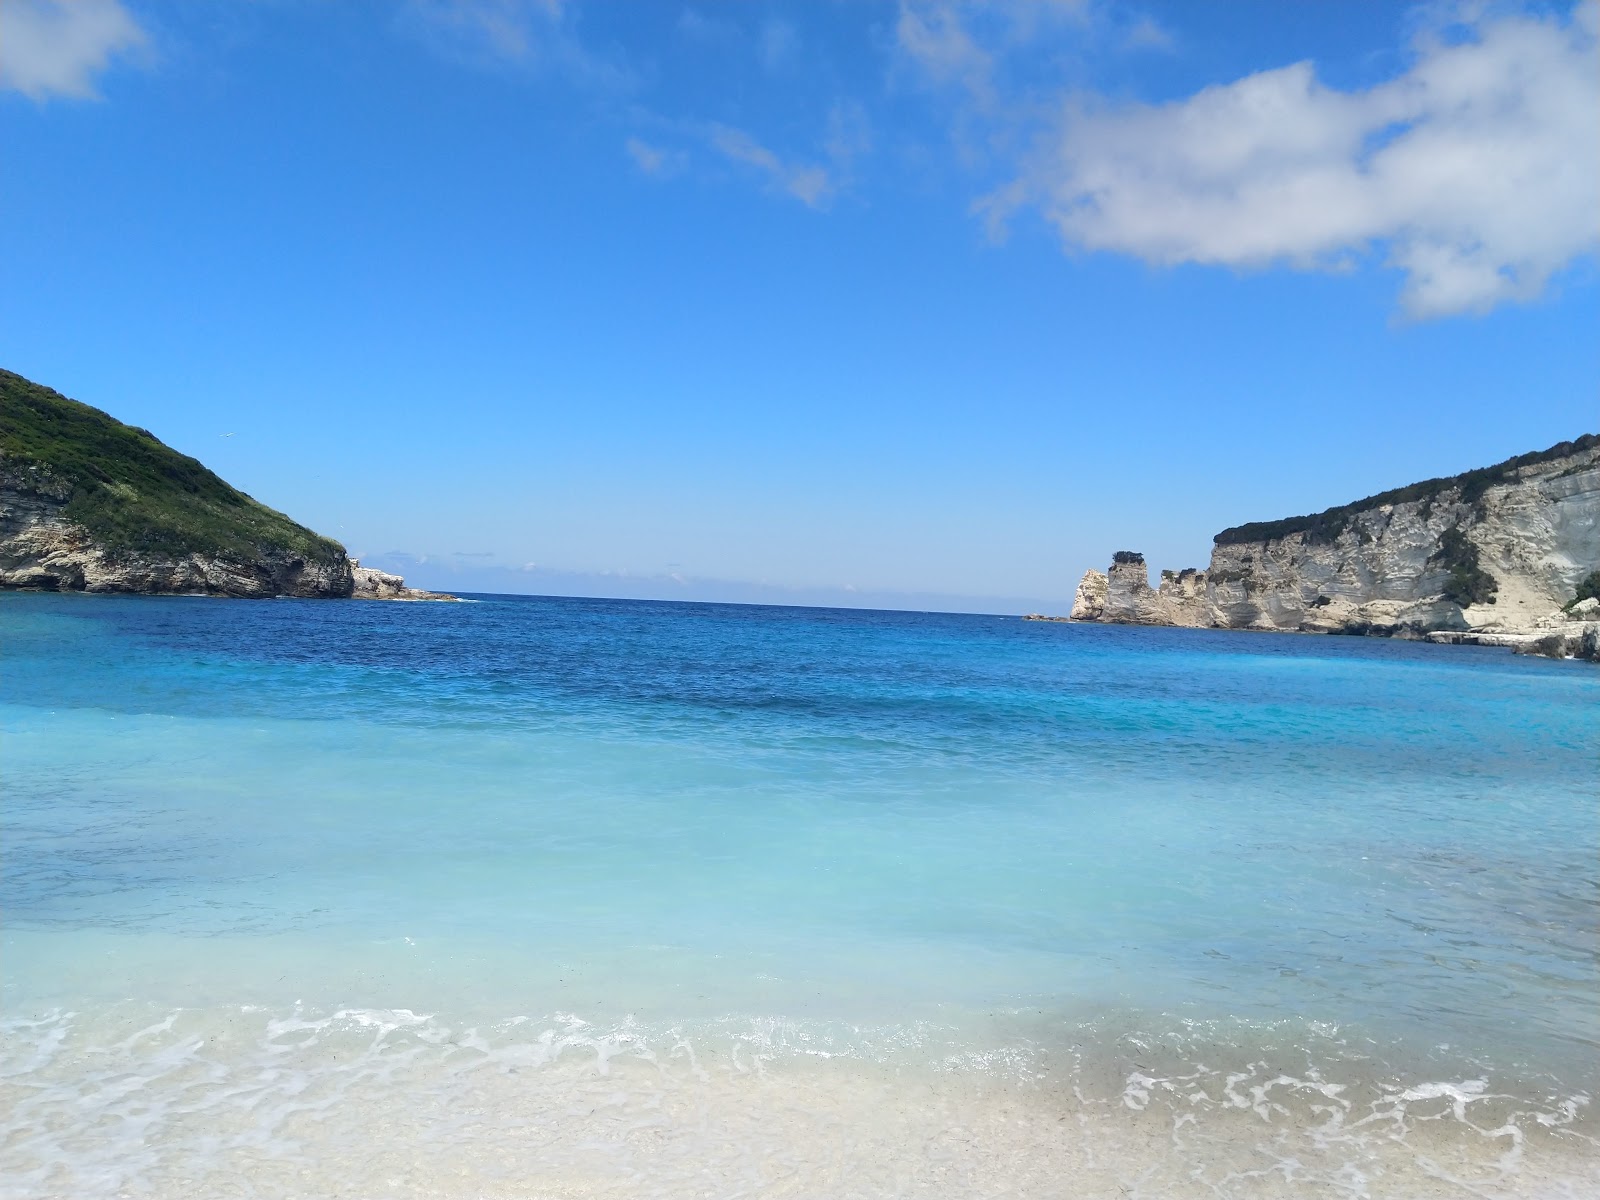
(929, 304)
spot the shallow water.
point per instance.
(559, 897)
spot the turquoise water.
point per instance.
(786, 870)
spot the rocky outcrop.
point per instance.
(1130, 600)
(1089, 604)
(1572, 633)
(373, 584)
(1576, 637)
(1493, 556)
(41, 548)
(91, 504)
(1123, 595)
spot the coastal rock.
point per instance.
(91, 504)
(1089, 604)
(1129, 599)
(1582, 641)
(42, 549)
(1491, 557)
(369, 583)
(1182, 595)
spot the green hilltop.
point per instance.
(133, 493)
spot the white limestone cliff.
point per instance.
(1089, 604)
(1493, 557)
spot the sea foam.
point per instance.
(385, 1103)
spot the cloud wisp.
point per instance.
(658, 162)
(938, 40)
(975, 45)
(527, 35)
(808, 183)
(815, 180)
(1475, 172)
(57, 47)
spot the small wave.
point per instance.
(129, 1102)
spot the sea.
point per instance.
(537, 898)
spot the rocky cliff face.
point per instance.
(1089, 603)
(1123, 596)
(1491, 556)
(41, 548)
(90, 504)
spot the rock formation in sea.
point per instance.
(373, 584)
(1089, 602)
(90, 504)
(1504, 555)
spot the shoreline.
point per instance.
(1528, 644)
(520, 1107)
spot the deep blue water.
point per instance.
(759, 776)
(678, 813)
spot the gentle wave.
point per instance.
(126, 1101)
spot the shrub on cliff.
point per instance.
(1468, 583)
(1588, 589)
(1123, 558)
(132, 492)
(1326, 526)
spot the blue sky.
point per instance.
(932, 304)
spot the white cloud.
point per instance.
(530, 35)
(653, 160)
(811, 184)
(1476, 172)
(1146, 33)
(967, 42)
(936, 38)
(57, 47)
(815, 180)
(514, 30)
(780, 43)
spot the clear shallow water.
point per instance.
(533, 897)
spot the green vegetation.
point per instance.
(1588, 589)
(1469, 583)
(132, 492)
(1123, 557)
(1327, 525)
